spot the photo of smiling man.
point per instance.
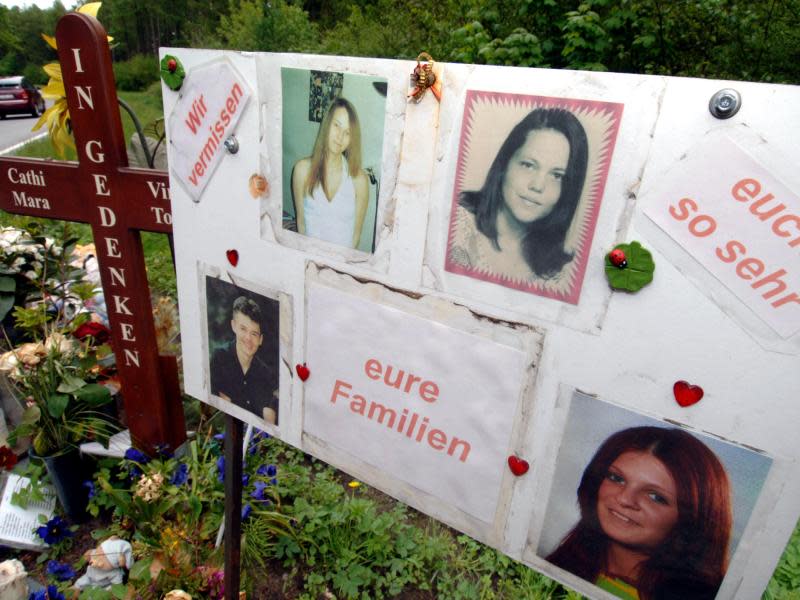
(243, 362)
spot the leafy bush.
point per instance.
(136, 73)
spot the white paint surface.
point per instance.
(628, 349)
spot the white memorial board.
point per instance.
(464, 243)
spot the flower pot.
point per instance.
(68, 471)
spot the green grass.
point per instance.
(158, 258)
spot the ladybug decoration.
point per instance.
(629, 267)
(617, 258)
(172, 72)
(423, 78)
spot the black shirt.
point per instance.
(253, 390)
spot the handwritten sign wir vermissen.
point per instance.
(211, 103)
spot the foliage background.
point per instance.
(728, 39)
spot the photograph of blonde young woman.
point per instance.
(644, 509)
(529, 182)
(332, 148)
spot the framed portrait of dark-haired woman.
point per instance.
(644, 508)
(529, 182)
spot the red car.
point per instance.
(19, 96)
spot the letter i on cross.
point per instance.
(118, 202)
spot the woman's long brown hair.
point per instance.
(695, 554)
(316, 172)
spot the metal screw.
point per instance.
(725, 103)
(232, 144)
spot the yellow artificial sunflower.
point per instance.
(57, 116)
(90, 9)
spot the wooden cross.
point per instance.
(118, 202)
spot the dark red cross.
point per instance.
(118, 202)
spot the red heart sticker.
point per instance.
(302, 371)
(518, 466)
(233, 257)
(687, 394)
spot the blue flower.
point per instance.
(49, 593)
(267, 470)
(245, 479)
(61, 571)
(220, 437)
(221, 468)
(256, 439)
(258, 492)
(90, 489)
(273, 481)
(163, 451)
(246, 510)
(137, 456)
(55, 530)
(181, 474)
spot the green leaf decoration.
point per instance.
(173, 79)
(57, 404)
(70, 384)
(637, 274)
(94, 394)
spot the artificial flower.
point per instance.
(61, 571)
(49, 593)
(91, 9)
(55, 530)
(180, 475)
(149, 487)
(31, 353)
(99, 332)
(267, 470)
(57, 116)
(58, 341)
(90, 489)
(177, 595)
(7, 458)
(258, 492)
(137, 456)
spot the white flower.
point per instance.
(11, 234)
(64, 344)
(9, 363)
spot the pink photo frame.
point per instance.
(489, 119)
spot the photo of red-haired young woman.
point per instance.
(656, 513)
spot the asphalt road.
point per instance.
(16, 129)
